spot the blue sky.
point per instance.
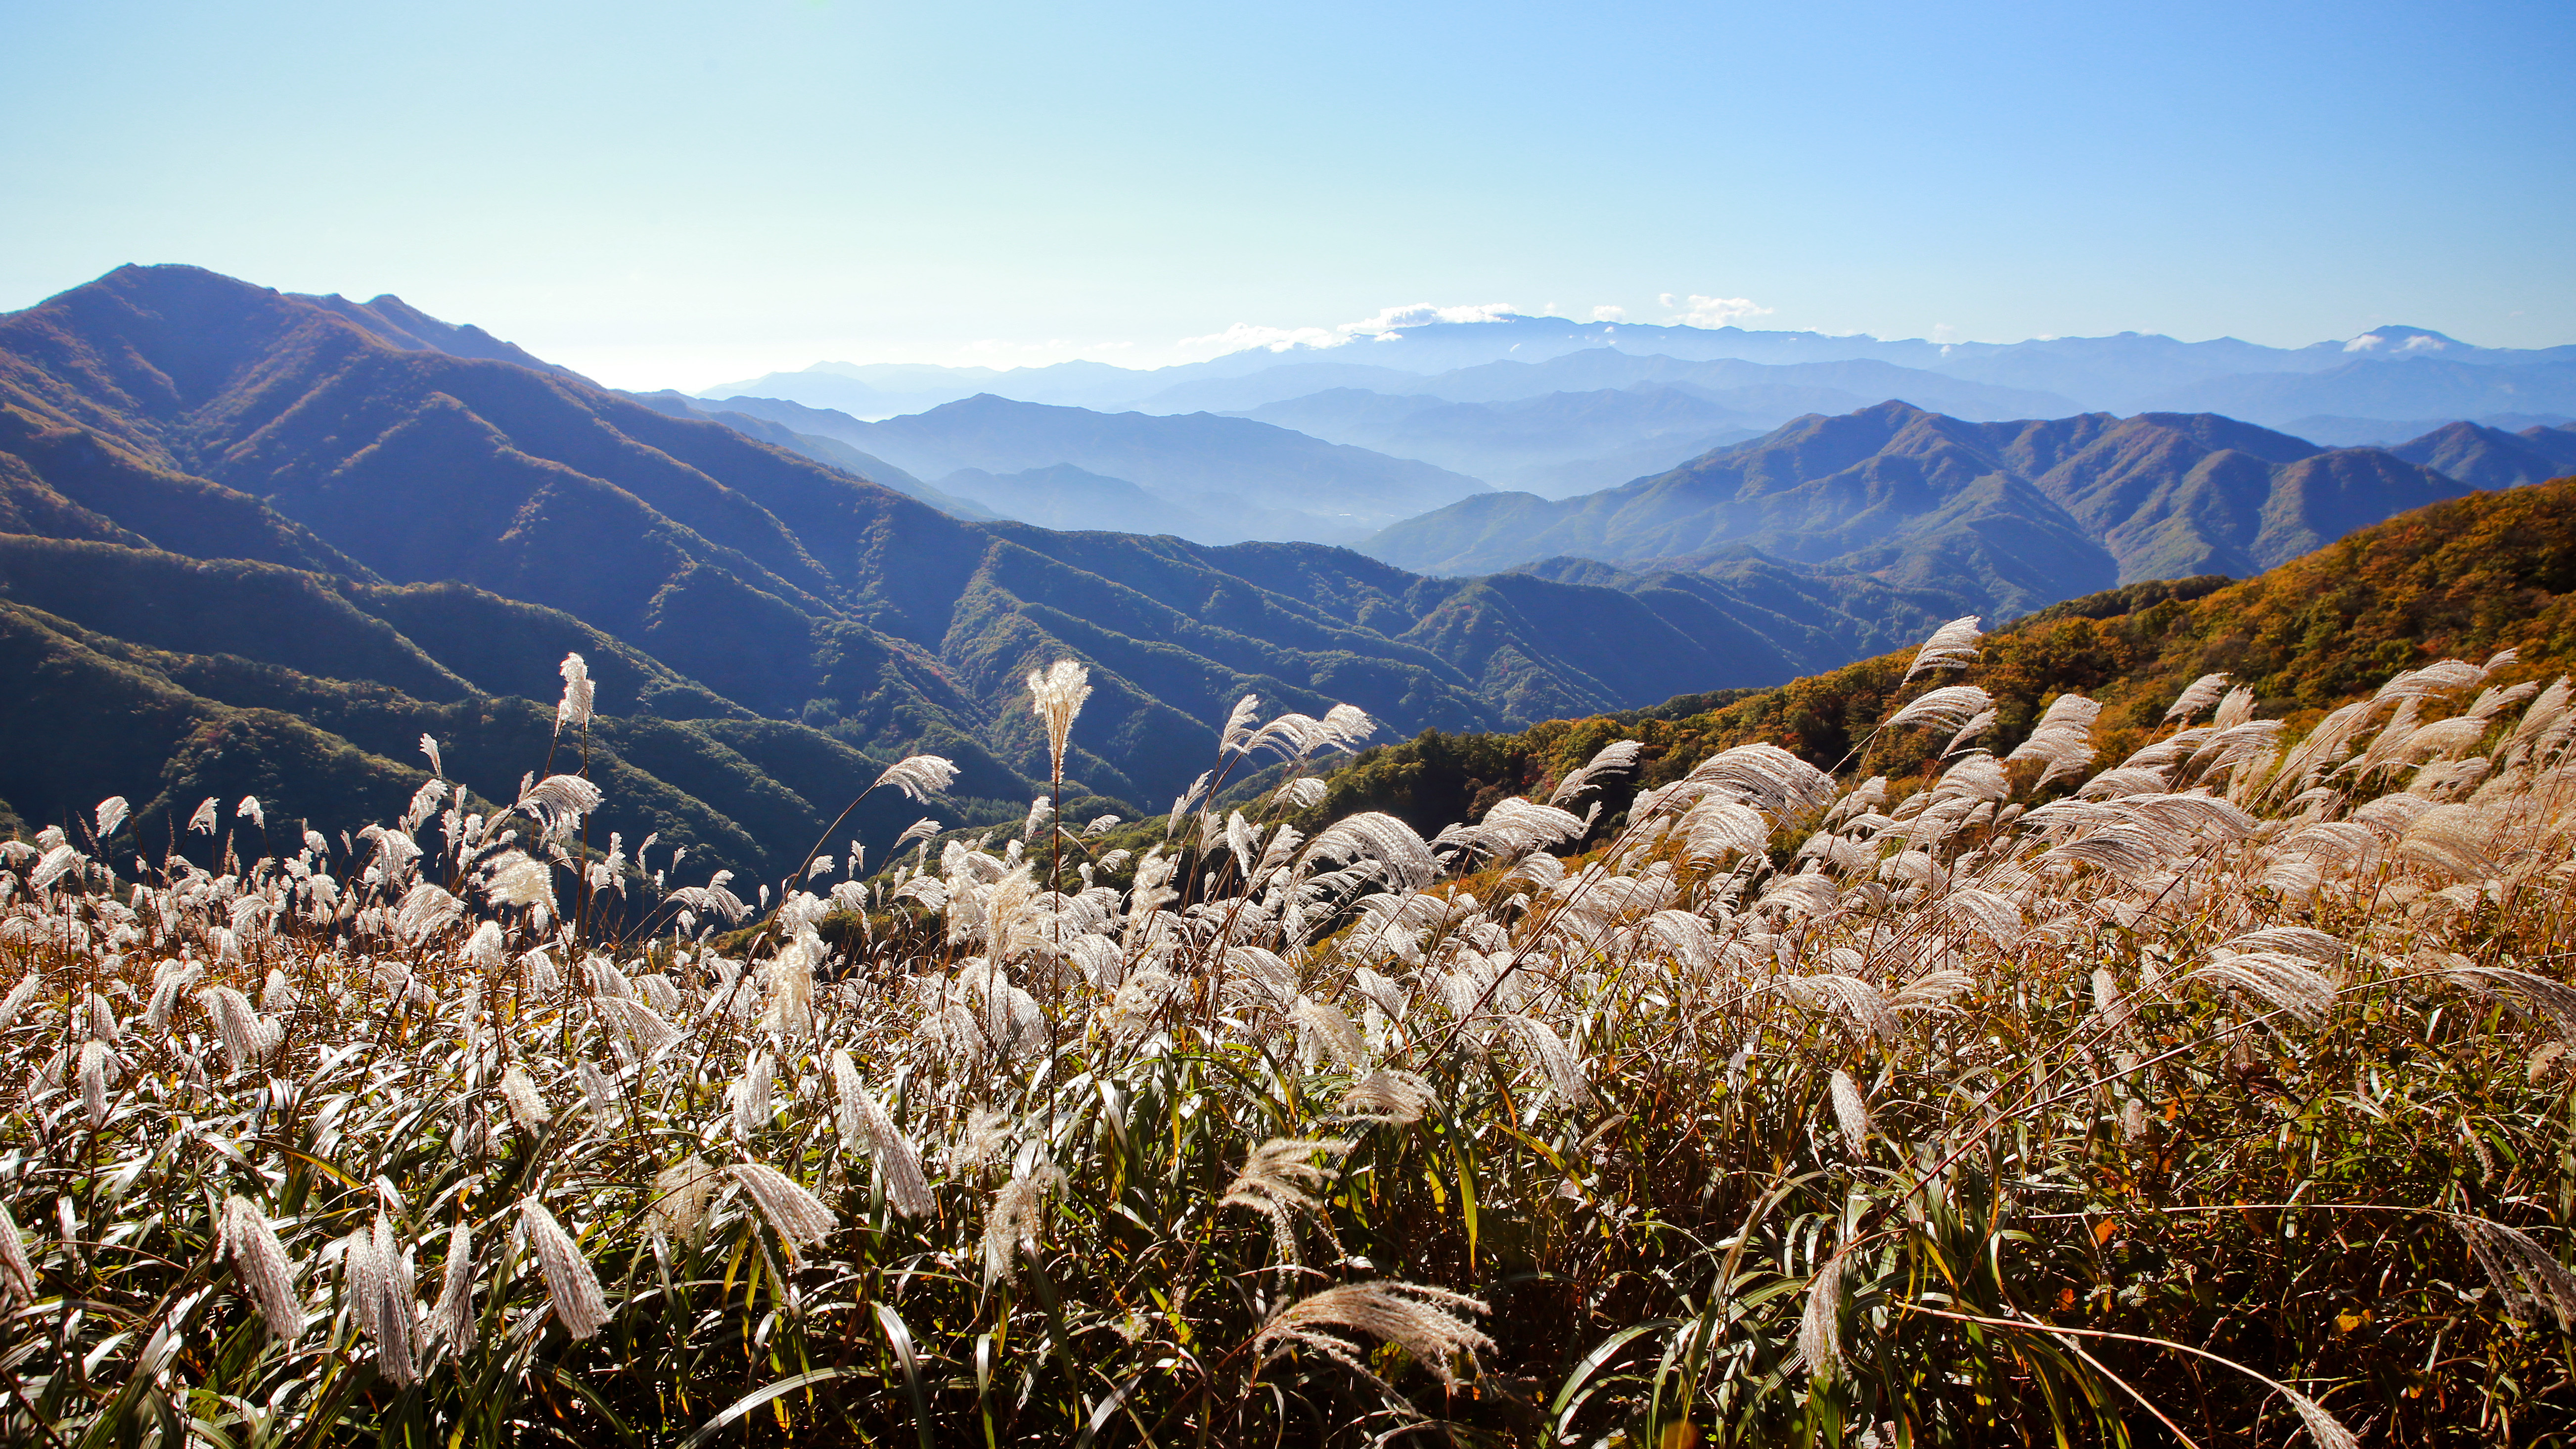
(680, 194)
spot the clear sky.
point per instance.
(681, 194)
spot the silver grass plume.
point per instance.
(579, 693)
(2535, 996)
(207, 819)
(1413, 1316)
(17, 999)
(1952, 646)
(2062, 740)
(378, 1288)
(1238, 725)
(2323, 1427)
(17, 1275)
(248, 1037)
(527, 1108)
(1396, 1098)
(1769, 779)
(1950, 707)
(2196, 696)
(2528, 1276)
(919, 777)
(1011, 1224)
(429, 747)
(847, 1084)
(111, 814)
(557, 803)
(1851, 1112)
(1274, 1180)
(1820, 1328)
(93, 1080)
(2273, 980)
(260, 1265)
(601, 1091)
(1056, 696)
(1329, 1028)
(1615, 758)
(906, 1185)
(681, 1193)
(751, 1097)
(579, 1304)
(797, 1216)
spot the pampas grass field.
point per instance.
(2217, 1095)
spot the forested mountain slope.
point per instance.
(406, 530)
(2464, 578)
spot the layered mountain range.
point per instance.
(1556, 408)
(2016, 515)
(260, 544)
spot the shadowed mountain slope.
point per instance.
(255, 502)
(2016, 515)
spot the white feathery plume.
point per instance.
(1393, 1097)
(1952, 646)
(1950, 707)
(2196, 696)
(1274, 1180)
(93, 1081)
(601, 1092)
(1238, 724)
(579, 693)
(1820, 1328)
(2062, 740)
(205, 821)
(18, 997)
(111, 814)
(557, 803)
(527, 1108)
(1615, 758)
(451, 1319)
(248, 1037)
(907, 1188)
(17, 1275)
(1011, 1224)
(797, 1216)
(1851, 1111)
(429, 747)
(1328, 1028)
(918, 777)
(579, 1304)
(2323, 1427)
(377, 1285)
(260, 1264)
(249, 810)
(1412, 1316)
(751, 1097)
(2526, 1275)
(1056, 696)
(681, 1193)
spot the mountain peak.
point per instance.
(2400, 341)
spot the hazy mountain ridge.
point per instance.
(2016, 514)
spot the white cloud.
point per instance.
(1244, 336)
(1609, 314)
(1423, 314)
(1713, 311)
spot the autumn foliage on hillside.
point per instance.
(2463, 579)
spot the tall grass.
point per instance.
(2218, 1096)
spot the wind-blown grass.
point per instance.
(2214, 1095)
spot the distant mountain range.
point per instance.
(2391, 372)
(2018, 515)
(1557, 408)
(254, 543)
